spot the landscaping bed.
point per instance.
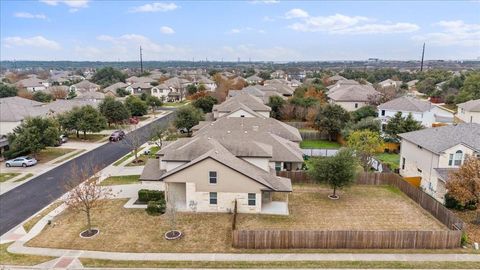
(319, 144)
(359, 208)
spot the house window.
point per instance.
(419, 170)
(278, 166)
(356, 105)
(242, 115)
(458, 158)
(450, 160)
(251, 199)
(212, 177)
(383, 112)
(213, 198)
(403, 163)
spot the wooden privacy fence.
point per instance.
(280, 239)
(346, 239)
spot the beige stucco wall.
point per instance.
(469, 117)
(444, 157)
(170, 165)
(350, 106)
(259, 162)
(230, 185)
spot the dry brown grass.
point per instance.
(31, 222)
(359, 208)
(472, 229)
(51, 153)
(7, 258)
(136, 231)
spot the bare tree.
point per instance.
(133, 140)
(158, 134)
(86, 196)
(172, 211)
(58, 92)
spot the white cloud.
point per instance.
(128, 45)
(74, 5)
(37, 41)
(245, 29)
(268, 19)
(27, 15)
(296, 13)
(155, 7)
(343, 24)
(167, 30)
(453, 33)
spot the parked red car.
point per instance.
(134, 120)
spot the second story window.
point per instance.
(383, 112)
(356, 105)
(458, 158)
(212, 177)
(278, 166)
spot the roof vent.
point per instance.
(255, 128)
(228, 131)
(216, 152)
(246, 132)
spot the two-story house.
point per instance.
(422, 111)
(241, 105)
(432, 153)
(351, 95)
(469, 112)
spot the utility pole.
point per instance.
(141, 60)
(423, 55)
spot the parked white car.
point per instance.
(21, 162)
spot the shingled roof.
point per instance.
(250, 101)
(439, 139)
(408, 104)
(352, 93)
(470, 106)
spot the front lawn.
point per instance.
(175, 104)
(7, 258)
(7, 176)
(32, 221)
(359, 208)
(89, 138)
(120, 180)
(391, 159)
(51, 153)
(127, 156)
(23, 178)
(319, 144)
(133, 230)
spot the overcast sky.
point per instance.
(260, 30)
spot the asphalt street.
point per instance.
(22, 202)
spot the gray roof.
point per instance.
(445, 172)
(250, 101)
(30, 82)
(90, 95)
(113, 88)
(219, 153)
(15, 109)
(86, 85)
(408, 104)
(135, 79)
(254, 78)
(251, 125)
(439, 139)
(336, 78)
(352, 93)
(471, 105)
(151, 171)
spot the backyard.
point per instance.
(391, 159)
(319, 144)
(360, 207)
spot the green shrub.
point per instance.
(146, 195)
(452, 203)
(464, 239)
(156, 207)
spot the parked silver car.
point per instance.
(21, 162)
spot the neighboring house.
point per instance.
(135, 79)
(210, 85)
(412, 84)
(84, 86)
(434, 152)
(295, 83)
(250, 125)
(139, 88)
(279, 74)
(242, 105)
(336, 78)
(469, 112)
(92, 96)
(254, 79)
(259, 91)
(351, 96)
(33, 84)
(112, 89)
(161, 91)
(422, 111)
(13, 110)
(390, 83)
